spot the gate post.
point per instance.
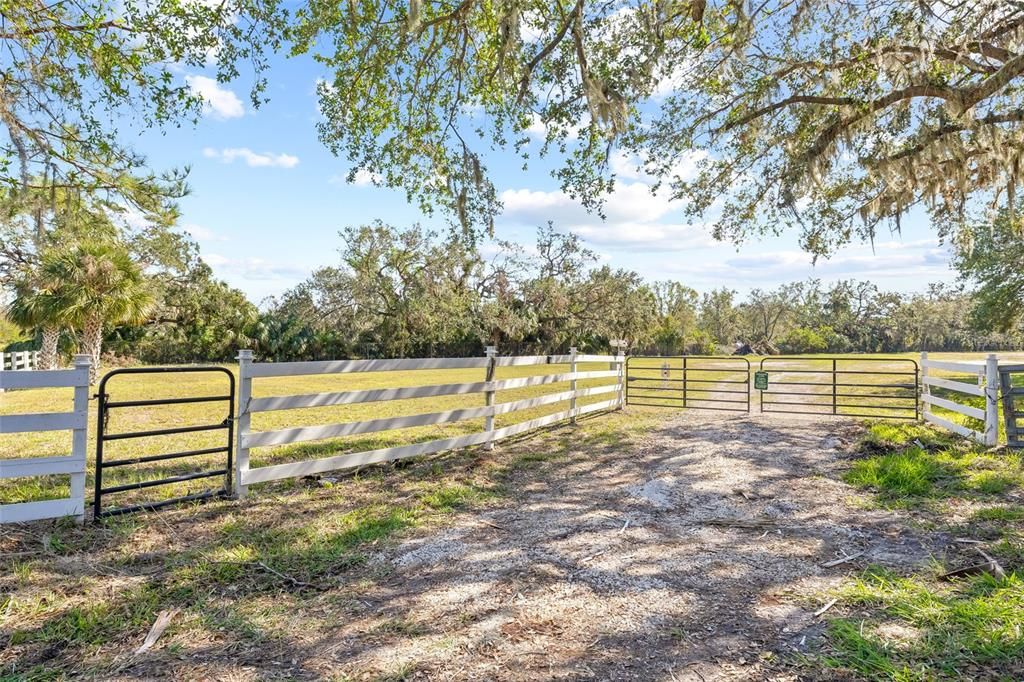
(924, 390)
(992, 400)
(492, 352)
(572, 385)
(620, 358)
(243, 423)
(80, 436)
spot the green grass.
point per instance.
(917, 629)
(131, 387)
(914, 464)
(290, 562)
(908, 628)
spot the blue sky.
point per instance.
(268, 201)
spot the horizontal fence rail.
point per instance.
(489, 387)
(986, 386)
(72, 465)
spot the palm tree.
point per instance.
(94, 284)
(34, 307)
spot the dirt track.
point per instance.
(696, 554)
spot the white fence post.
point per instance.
(242, 424)
(572, 384)
(926, 407)
(80, 436)
(620, 357)
(992, 400)
(492, 353)
(72, 464)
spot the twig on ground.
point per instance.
(996, 568)
(826, 607)
(843, 559)
(163, 619)
(592, 556)
(741, 523)
(493, 525)
(989, 566)
(624, 526)
(283, 576)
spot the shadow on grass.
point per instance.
(237, 572)
(904, 628)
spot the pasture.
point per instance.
(647, 543)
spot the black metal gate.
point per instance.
(885, 388)
(103, 437)
(1011, 385)
(699, 381)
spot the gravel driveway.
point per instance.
(699, 552)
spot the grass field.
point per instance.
(717, 385)
(296, 557)
(138, 387)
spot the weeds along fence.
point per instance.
(981, 408)
(72, 465)
(490, 387)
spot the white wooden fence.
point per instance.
(987, 387)
(248, 405)
(19, 359)
(74, 464)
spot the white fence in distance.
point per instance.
(19, 359)
(74, 464)
(987, 387)
(248, 405)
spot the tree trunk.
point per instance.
(92, 342)
(48, 352)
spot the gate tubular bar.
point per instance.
(685, 385)
(102, 437)
(832, 393)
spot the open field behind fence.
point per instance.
(142, 387)
(46, 444)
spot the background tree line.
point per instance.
(412, 292)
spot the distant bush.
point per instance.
(803, 340)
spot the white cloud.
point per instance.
(636, 219)
(217, 100)
(538, 129)
(256, 269)
(896, 261)
(630, 202)
(631, 167)
(363, 178)
(202, 234)
(251, 158)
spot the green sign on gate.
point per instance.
(761, 381)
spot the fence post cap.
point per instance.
(82, 360)
(244, 355)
